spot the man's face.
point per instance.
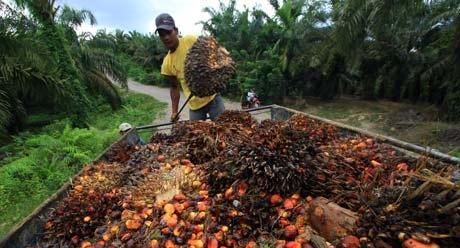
(169, 38)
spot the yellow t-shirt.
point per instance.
(174, 64)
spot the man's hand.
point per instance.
(175, 117)
(223, 50)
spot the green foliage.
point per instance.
(37, 164)
(138, 73)
(44, 63)
(262, 74)
(453, 100)
(155, 78)
(455, 152)
(135, 71)
(74, 18)
(328, 48)
(95, 61)
(406, 60)
(51, 159)
(25, 73)
(140, 55)
(307, 48)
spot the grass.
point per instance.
(37, 164)
(455, 152)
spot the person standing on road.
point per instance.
(173, 69)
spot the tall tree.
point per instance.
(374, 49)
(45, 63)
(27, 75)
(290, 34)
(44, 11)
(96, 64)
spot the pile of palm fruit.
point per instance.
(239, 183)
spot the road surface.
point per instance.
(162, 94)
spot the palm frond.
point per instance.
(89, 15)
(43, 10)
(12, 111)
(105, 62)
(29, 82)
(211, 11)
(274, 4)
(102, 42)
(5, 107)
(101, 84)
(445, 11)
(75, 18)
(351, 25)
(439, 68)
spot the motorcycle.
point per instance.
(254, 102)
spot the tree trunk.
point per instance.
(284, 85)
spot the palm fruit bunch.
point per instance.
(282, 164)
(203, 141)
(236, 117)
(319, 132)
(208, 67)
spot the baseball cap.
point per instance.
(124, 127)
(165, 21)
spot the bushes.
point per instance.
(263, 75)
(50, 160)
(38, 164)
(139, 73)
(155, 78)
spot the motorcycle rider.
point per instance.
(251, 95)
(252, 99)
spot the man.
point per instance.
(173, 69)
(133, 138)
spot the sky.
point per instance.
(140, 15)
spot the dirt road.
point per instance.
(162, 94)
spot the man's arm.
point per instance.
(175, 95)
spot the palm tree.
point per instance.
(222, 23)
(26, 74)
(98, 68)
(290, 34)
(119, 38)
(72, 19)
(401, 47)
(59, 72)
(89, 69)
(76, 102)
(75, 18)
(94, 61)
